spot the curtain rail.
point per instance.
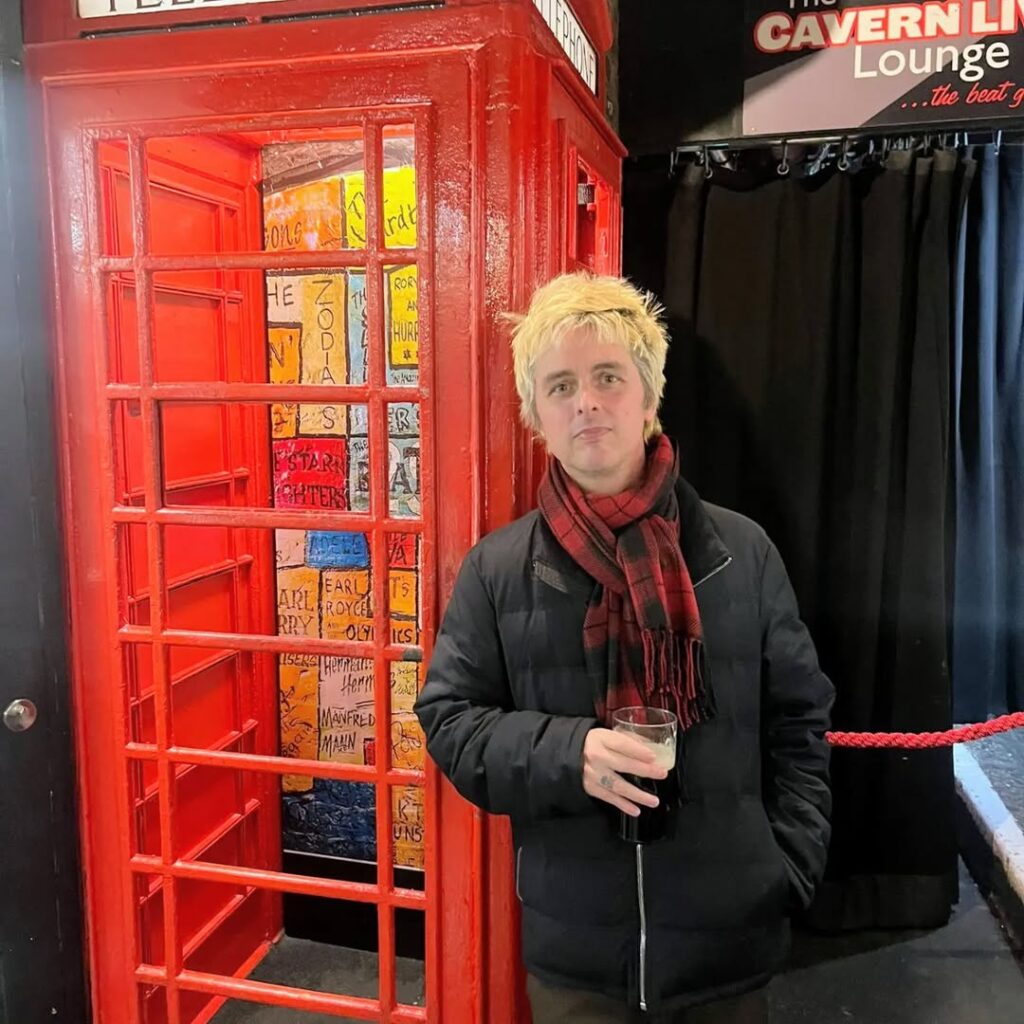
(969, 136)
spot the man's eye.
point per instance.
(611, 378)
(559, 389)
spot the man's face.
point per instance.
(590, 404)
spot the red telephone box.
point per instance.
(283, 233)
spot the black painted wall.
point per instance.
(42, 975)
(680, 72)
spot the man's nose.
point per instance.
(586, 399)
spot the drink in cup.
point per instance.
(656, 728)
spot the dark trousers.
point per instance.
(559, 1005)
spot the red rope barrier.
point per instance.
(921, 740)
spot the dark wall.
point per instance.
(41, 959)
(680, 72)
(647, 192)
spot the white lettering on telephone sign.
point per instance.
(571, 37)
(111, 8)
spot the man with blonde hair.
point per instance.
(625, 590)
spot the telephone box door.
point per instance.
(262, 285)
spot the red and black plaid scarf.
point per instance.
(642, 631)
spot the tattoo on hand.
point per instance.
(607, 782)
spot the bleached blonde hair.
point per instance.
(614, 309)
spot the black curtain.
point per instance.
(809, 385)
(988, 623)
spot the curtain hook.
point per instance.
(815, 162)
(844, 159)
(999, 141)
(784, 166)
(707, 163)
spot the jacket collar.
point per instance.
(704, 551)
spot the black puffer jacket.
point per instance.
(506, 708)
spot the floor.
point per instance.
(318, 966)
(964, 973)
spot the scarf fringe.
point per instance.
(670, 659)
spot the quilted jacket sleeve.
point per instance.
(796, 705)
(526, 764)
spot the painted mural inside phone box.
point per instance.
(316, 334)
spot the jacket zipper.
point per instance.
(519, 861)
(643, 925)
(714, 572)
(640, 857)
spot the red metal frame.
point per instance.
(500, 118)
(374, 257)
(154, 516)
(54, 20)
(47, 20)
